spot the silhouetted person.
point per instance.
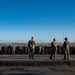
(43, 49)
(21, 51)
(53, 48)
(66, 49)
(17, 50)
(31, 47)
(2, 49)
(24, 49)
(14, 48)
(9, 49)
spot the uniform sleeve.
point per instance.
(35, 43)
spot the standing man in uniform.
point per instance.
(53, 48)
(31, 47)
(66, 49)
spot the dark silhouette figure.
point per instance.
(53, 48)
(66, 49)
(31, 47)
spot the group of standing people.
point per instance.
(54, 44)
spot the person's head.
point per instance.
(32, 38)
(66, 38)
(54, 39)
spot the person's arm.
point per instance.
(35, 43)
(28, 44)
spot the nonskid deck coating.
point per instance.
(39, 60)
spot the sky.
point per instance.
(43, 19)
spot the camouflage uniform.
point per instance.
(53, 49)
(66, 49)
(31, 47)
(13, 52)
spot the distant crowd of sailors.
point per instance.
(39, 49)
